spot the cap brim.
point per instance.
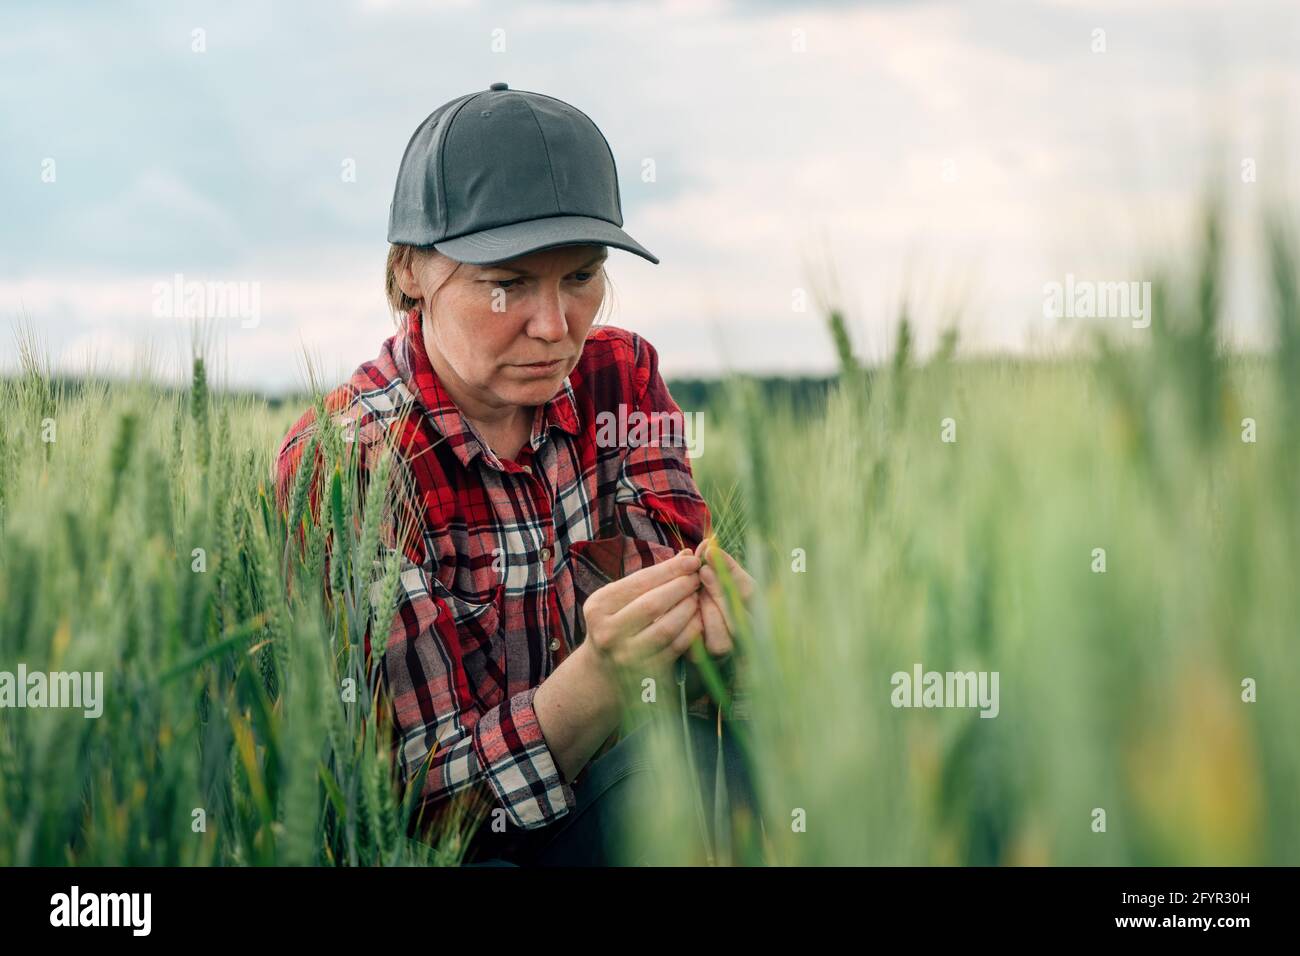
(521, 238)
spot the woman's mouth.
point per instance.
(541, 368)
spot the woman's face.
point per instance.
(484, 325)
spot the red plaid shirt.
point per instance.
(507, 552)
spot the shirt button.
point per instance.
(555, 644)
(546, 554)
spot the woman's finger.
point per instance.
(661, 634)
(713, 588)
(692, 631)
(717, 630)
(705, 552)
(744, 582)
(625, 591)
(654, 603)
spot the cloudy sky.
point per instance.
(962, 153)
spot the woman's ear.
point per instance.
(404, 272)
(421, 271)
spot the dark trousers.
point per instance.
(607, 800)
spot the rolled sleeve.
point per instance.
(500, 752)
(518, 764)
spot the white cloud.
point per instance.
(1057, 160)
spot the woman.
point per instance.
(551, 567)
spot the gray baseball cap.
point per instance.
(502, 173)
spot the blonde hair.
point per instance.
(399, 256)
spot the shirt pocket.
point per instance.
(595, 562)
(482, 640)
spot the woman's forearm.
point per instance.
(577, 707)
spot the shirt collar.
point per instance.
(445, 416)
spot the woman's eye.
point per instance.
(581, 277)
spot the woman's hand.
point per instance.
(645, 621)
(719, 625)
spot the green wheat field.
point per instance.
(1116, 534)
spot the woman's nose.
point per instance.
(548, 321)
